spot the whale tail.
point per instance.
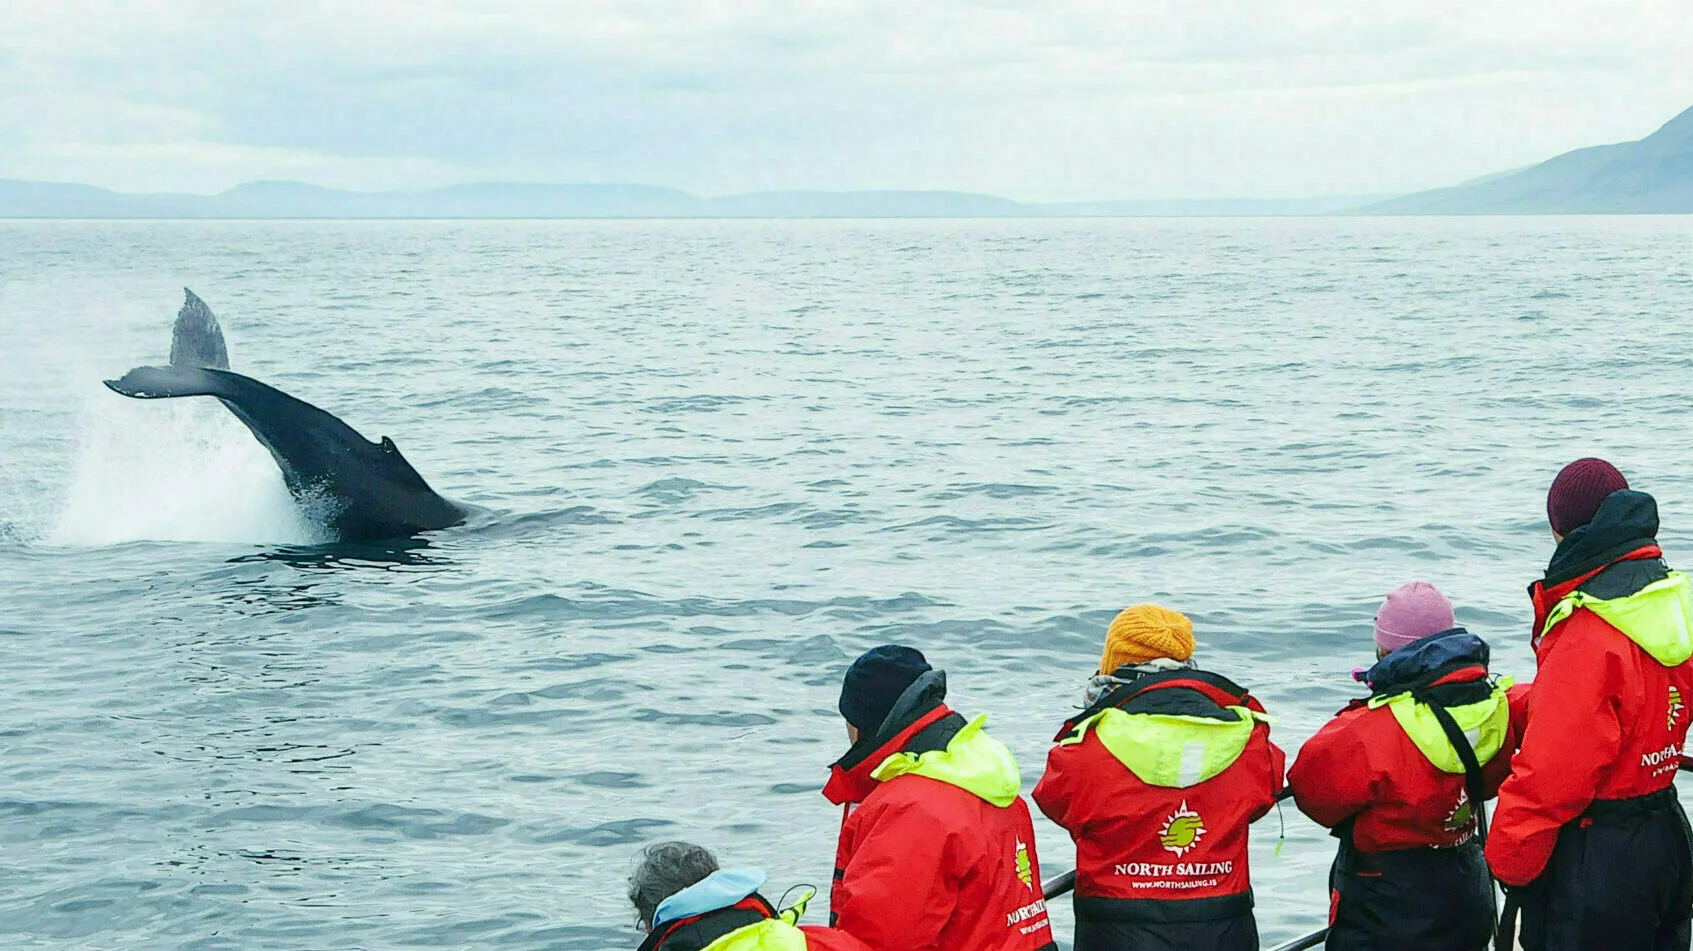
(157, 383)
(377, 492)
(197, 340)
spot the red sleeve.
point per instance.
(1277, 770)
(1062, 792)
(1498, 769)
(1518, 695)
(1331, 778)
(897, 890)
(1574, 734)
(830, 939)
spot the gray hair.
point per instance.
(664, 869)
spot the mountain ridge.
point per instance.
(270, 199)
(1653, 175)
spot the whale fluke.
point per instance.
(197, 340)
(369, 492)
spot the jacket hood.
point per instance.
(1425, 659)
(721, 889)
(974, 762)
(1626, 522)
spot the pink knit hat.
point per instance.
(1578, 491)
(1412, 612)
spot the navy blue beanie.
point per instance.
(874, 682)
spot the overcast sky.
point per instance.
(1057, 100)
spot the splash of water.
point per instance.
(178, 470)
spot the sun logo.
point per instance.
(1025, 870)
(1675, 706)
(1462, 814)
(1182, 831)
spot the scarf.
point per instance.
(1100, 684)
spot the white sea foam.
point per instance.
(173, 470)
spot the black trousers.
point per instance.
(1411, 900)
(1620, 879)
(1239, 933)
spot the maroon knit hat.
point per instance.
(1578, 491)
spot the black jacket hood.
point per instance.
(1627, 521)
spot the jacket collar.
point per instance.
(721, 889)
(1545, 597)
(1194, 692)
(1434, 659)
(971, 760)
(699, 931)
(851, 779)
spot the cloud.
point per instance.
(1064, 99)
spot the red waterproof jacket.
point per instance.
(1145, 833)
(1605, 718)
(1365, 767)
(940, 853)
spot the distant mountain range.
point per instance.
(1653, 175)
(508, 200)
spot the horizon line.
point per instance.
(519, 183)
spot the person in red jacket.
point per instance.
(1158, 780)
(1588, 836)
(939, 854)
(1404, 795)
(686, 903)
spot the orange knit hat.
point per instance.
(1146, 632)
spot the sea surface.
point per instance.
(714, 461)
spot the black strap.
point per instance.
(1476, 785)
(1505, 936)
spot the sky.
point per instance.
(1060, 100)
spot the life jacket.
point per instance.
(1158, 782)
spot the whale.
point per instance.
(361, 491)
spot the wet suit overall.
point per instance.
(939, 854)
(1386, 776)
(1588, 835)
(1158, 782)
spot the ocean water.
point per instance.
(717, 460)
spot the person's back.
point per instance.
(1589, 834)
(1158, 782)
(1385, 775)
(939, 855)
